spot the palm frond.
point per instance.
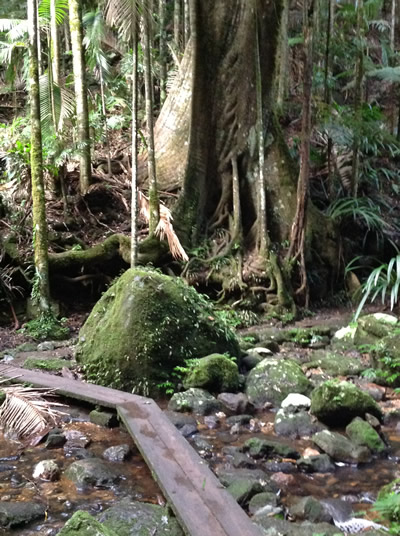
(164, 228)
(387, 74)
(64, 103)
(61, 10)
(25, 411)
(7, 25)
(121, 14)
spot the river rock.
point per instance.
(296, 424)
(103, 418)
(266, 502)
(236, 403)
(46, 470)
(242, 490)
(337, 403)
(272, 380)
(231, 475)
(92, 472)
(310, 509)
(146, 324)
(281, 527)
(340, 448)
(374, 327)
(117, 453)
(265, 448)
(361, 433)
(336, 364)
(215, 372)
(13, 514)
(132, 518)
(296, 401)
(320, 463)
(83, 523)
(196, 401)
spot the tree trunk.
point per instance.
(153, 190)
(177, 24)
(41, 289)
(55, 43)
(283, 79)
(82, 113)
(134, 204)
(358, 98)
(186, 20)
(163, 51)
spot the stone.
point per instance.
(83, 523)
(236, 403)
(179, 420)
(361, 433)
(196, 401)
(243, 490)
(276, 466)
(374, 327)
(103, 418)
(229, 476)
(296, 424)
(261, 500)
(251, 360)
(46, 346)
(337, 403)
(272, 380)
(144, 326)
(117, 453)
(340, 448)
(215, 372)
(320, 463)
(133, 518)
(55, 440)
(13, 514)
(281, 527)
(336, 364)
(54, 365)
(264, 448)
(92, 472)
(238, 419)
(283, 480)
(46, 470)
(310, 509)
(296, 400)
(270, 345)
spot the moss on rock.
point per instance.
(145, 325)
(83, 523)
(361, 433)
(55, 364)
(215, 372)
(336, 402)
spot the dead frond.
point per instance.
(25, 412)
(164, 228)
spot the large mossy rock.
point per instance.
(273, 380)
(361, 433)
(337, 403)
(83, 523)
(340, 448)
(145, 325)
(216, 373)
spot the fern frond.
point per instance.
(61, 10)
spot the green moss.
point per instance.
(336, 402)
(361, 433)
(145, 325)
(55, 364)
(216, 373)
(83, 523)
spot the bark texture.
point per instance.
(80, 93)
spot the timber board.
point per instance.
(199, 501)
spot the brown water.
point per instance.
(62, 498)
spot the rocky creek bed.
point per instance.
(300, 438)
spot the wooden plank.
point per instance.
(201, 504)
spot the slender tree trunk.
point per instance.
(177, 24)
(186, 20)
(81, 94)
(163, 51)
(55, 43)
(297, 240)
(134, 192)
(393, 50)
(153, 191)
(358, 98)
(327, 88)
(41, 290)
(283, 79)
(104, 111)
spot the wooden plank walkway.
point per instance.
(199, 501)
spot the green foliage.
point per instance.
(384, 281)
(388, 506)
(61, 10)
(47, 326)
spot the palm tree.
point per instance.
(82, 114)
(41, 290)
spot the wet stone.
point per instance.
(243, 490)
(55, 440)
(46, 470)
(212, 422)
(118, 453)
(179, 420)
(263, 448)
(195, 400)
(263, 500)
(340, 448)
(103, 418)
(188, 430)
(19, 513)
(92, 472)
(310, 509)
(316, 464)
(280, 467)
(238, 419)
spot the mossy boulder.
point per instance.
(336, 364)
(83, 523)
(361, 433)
(372, 328)
(340, 448)
(216, 373)
(386, 359)
(15, 513)
(195, 400)
(272, 380)
(337, 403)
(145, 325)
